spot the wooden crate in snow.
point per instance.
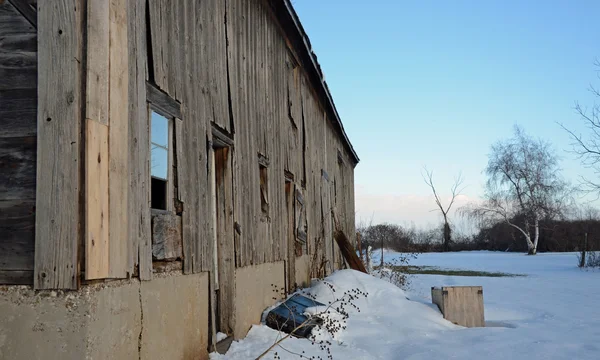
(462, 305)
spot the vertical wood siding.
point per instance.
(60, 103)
(231, 67)
(238, 73)
(18, 129)
(139, 233)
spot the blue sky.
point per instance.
(435, 83)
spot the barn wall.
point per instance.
(231, 67)
(18, 129)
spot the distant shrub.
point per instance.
(393, 271)
(589, 259)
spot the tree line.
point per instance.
(527, 205)
(555, 236)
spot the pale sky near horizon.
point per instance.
(435, 83)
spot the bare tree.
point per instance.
(588, 147)
(523, 183)
(455, 191)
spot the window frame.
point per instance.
(161, 103)
(170, 188)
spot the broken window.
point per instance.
(160, 160)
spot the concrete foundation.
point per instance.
(303, 271)
(255, 288)
(166, 318)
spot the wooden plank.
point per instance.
(291, 238)
(98, 61)
(21, 42)
(140, 253)
(118, 162)
(17, 231)
(145, 243)
(346, 247)
(96, 201)
(18, 113)
(182, 183)
(224, 233)
(192, 154)
(16, 277)
(214, 226)
(168, 106)
(327, 223)
(182, 139)
(166, 237)
(26, 10)
(58, 155)
(18, 70)
(12, 22)
(133, 206)
(221, 138)
(17, 168)
(155, 36)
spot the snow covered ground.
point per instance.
(552, 313)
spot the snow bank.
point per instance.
(385, 311)
(553, 313)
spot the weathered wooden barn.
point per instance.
(166, 167)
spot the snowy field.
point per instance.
(551, 313)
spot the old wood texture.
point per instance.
(27, 9)
(347, 250)
(166, 236)
(98, 61)
(107, 141)
(242, 67)
(18, 52)
(18, 145)
(60, 101)
(461, 305)
(225, 238)
(241, 74)
(139, 225)
(185, 47)
(162, 101)
(118, 134)
(290, 235)
(96, 201)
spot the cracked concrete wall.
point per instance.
(303, 271)
(166, 318)
(255, 288)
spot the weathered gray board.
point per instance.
(461, 305)
(18, 143)
(60, 101)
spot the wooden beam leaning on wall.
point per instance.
(60, 50)
(346, 248)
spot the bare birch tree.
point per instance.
(455, 191)
(523, 182)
